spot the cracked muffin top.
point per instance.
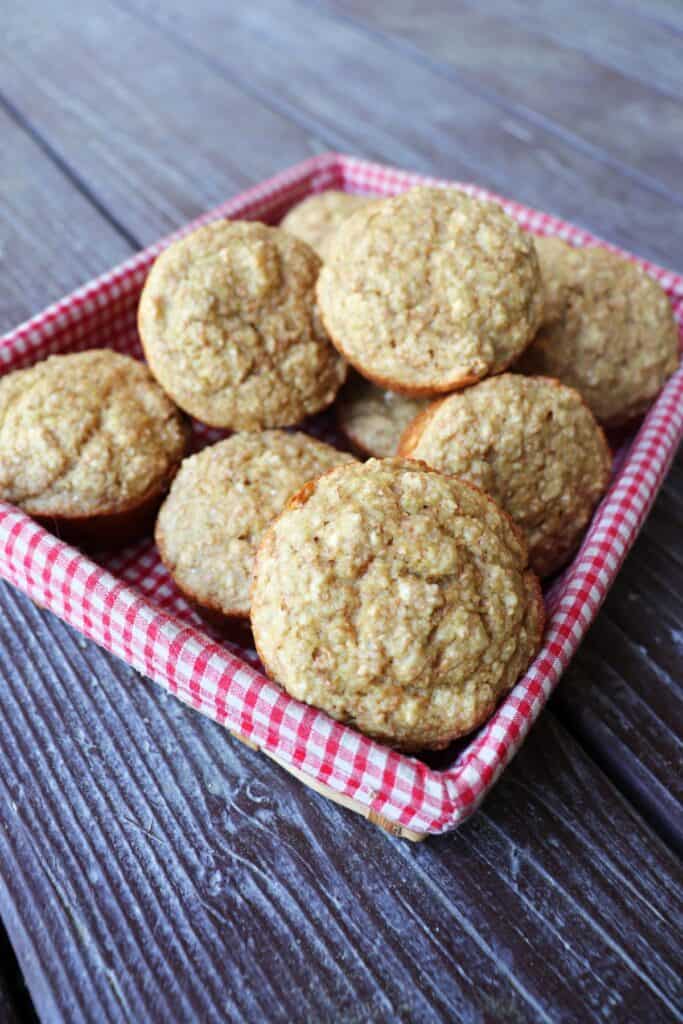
(317, 218)
(430, 291)
(397, 599)
(529, 442)
(608, 330)
(230, 327)
(85, 434)
(372, 418)
(220, 504)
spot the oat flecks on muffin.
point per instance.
(220, 504)
(317, 218)
(86, 434)
(398, 599)
(608, 330)
(529, 442)
(430, 291)
(372, 418)
(230, 327)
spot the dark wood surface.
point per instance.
(151, 868)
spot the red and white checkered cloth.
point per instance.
(129, 605)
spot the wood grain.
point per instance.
(52, 239)
(151, 868)
(602, 32)
(666, 13)
(622, 694)
(638, 757)
(353, 99)
(634, 128)
(442, 118)
(161, 143)
(141, 834)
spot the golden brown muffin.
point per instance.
(317, 218)
(608, 330)
(529, 442)
(397, 599)
(219, 506)
(374, 419)
(229, 325)
(430, 291)
(89, 443)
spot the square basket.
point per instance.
(127, 603)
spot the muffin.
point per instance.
(89, 443)
(608, 330)
(430, 291)
(317, 218)
(230, 328)
(529, 442)
(397, 599)
(373, 419)
(219, 506)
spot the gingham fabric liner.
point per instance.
(130, 607)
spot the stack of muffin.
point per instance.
(399, 594)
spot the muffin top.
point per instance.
(529, 442)
(608, 330)
(397, 599)
(430, 290)
(90, 433)
(372, 418)
(220, 504)
(230, 328)
(317, 218)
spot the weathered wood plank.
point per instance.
(51, 237)
(96, 84)
(248, 897)
(666, 512)
(160, 143)
(667, 13)
(622, 695)
(633, 127)
(353, 98)
(609, 34)
(639, 758)
(183, 876)
(43, 257)
(652, 755)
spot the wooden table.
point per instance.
(152, 868)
